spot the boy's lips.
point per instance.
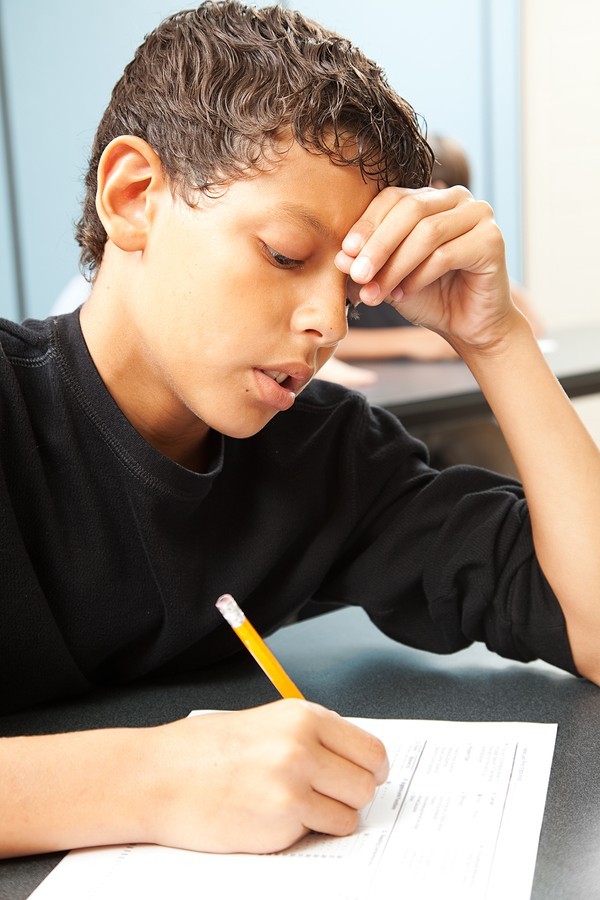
(279, 384)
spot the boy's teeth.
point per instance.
(279, 377)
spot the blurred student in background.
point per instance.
(452, 167)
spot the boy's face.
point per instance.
(242, 292)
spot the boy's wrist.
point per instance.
(130, 774)
(148, 765)
(513, 335)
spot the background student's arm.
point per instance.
(252, 781)
(438, 257)
(387, 343)
(419, 343)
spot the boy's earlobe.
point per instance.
(129, 175)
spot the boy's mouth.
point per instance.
(279, 387)
(294, 377)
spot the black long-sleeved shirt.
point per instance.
(112, 555)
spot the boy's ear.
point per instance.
(130, 177)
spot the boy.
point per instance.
(253, 176)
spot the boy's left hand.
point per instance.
(437, 256)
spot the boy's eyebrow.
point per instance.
(296, 211)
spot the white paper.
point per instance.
(459, 817)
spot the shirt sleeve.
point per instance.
(442, 559)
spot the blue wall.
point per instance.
(9, 289)
(456, 62)
(62, 60)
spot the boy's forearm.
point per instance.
(559, 465)
(72, 790)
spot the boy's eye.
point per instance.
(284, 262)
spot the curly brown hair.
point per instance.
(213, 89)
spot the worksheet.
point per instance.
(459, 817)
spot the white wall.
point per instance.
(561, 163)
(561, 157)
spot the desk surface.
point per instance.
(418, 391)
(342, 661)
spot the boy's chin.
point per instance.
(248, 429)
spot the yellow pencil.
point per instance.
(252, 640)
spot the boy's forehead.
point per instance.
(304, 189)
(297, 213)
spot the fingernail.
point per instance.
(361, 268)
(397, 293)
(369, 292)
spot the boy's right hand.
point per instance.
(258, 780)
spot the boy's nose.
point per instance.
(323, 315)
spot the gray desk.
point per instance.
(419, 393)
(342, 661)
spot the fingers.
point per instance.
(431, 249)
(336, 767)
(400, 231)
(379, 208)
(343, 781)
(461, 251)
(329, 816)
(353, 744)
(346, 770)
